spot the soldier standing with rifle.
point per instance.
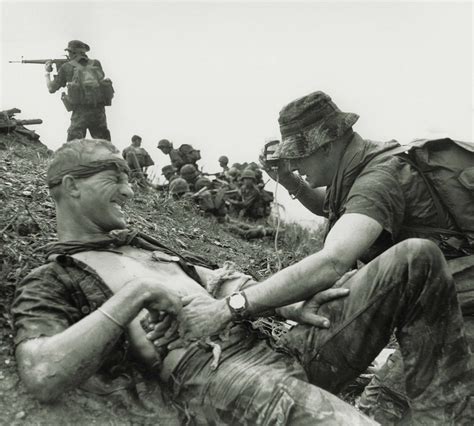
(88, 91)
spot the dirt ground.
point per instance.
(27, 222)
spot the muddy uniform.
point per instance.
(83, 117)
(253, 384)
(393, 193)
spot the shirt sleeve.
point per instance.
(41, 306)
(378, 194)
(60, 79)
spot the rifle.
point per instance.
(58, 62)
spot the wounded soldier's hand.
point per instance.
(162, 331)
(307, 312)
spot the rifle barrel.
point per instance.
(32, 121)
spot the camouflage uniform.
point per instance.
(83, 117)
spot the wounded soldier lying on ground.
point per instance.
(77, 319)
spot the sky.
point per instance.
(216, 74)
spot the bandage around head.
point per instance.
(86, 170)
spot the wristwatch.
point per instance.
(237, 303)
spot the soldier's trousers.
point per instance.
(407, 289)
(385, 397)
(88, 118)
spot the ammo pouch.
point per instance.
(107, 91)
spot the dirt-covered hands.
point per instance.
(202, 316)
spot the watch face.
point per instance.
(237, 301)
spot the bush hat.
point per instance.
(77, 44)
(310, 122)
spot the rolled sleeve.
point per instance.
(41, 306)
(377, 193)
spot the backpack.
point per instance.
(447, 167)
(189, 154)
(88, 85)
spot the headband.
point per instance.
(86, 170)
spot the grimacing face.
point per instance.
(101, 198)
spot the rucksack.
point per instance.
(88, 85)
(447, 167)
(189, 154)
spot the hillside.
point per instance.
(27, 222)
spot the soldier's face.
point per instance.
(165, 149)
(248, 182)
(168, 174)
(101, 198)
(317, 169)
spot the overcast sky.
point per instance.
(216, 74)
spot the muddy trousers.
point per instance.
(253, 385)
(88, 118)
(385, 397)
(409, 290)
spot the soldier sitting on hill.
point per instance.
(185, 154)
(137, 158)
(190, 174)
(251, 204)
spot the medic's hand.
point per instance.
(48, 66)
(202, 316)
(307, 312)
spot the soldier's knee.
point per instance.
(422, 248)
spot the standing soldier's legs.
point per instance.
(408, 289)
(97, 124)
(78, 126)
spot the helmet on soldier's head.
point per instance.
(188, 170)
(164, 143)
(167, 169)
(248, 173)
(76, 45)
(202, 182)
(233, 172)
(223, 160)
(179, 186)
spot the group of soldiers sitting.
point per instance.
(237, 191)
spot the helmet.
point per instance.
(164, 143)
(167, 169)
(233, 172)
(188, 169)
(179, 186)
(201, 183)
(247, 173)
(223, 159)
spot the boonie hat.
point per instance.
(77, 44)
(310, 122)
